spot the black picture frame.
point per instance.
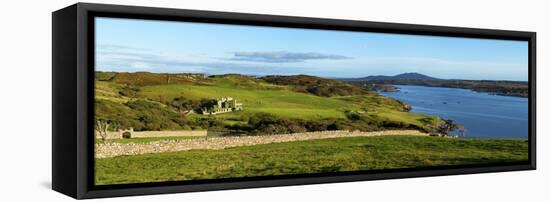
(73, 94)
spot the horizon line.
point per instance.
(338, 78)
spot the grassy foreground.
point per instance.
(316, 156)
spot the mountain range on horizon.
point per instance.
(334, 86)
(414, 76)
(409, 76)
(404, 76)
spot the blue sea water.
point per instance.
(482, 114)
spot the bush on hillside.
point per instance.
(140, 114)
(128, 91)
(126, 135)
(182, 104)
(316, 85)
(154, 116)
(267, 124)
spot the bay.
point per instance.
(483, 115)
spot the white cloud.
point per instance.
(283, 56)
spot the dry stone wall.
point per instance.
(104, 150)
(175, 133)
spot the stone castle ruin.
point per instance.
(223, 105)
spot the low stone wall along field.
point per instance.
(105, 150)
(164, 133)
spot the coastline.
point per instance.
(496, 87)
(475, 111)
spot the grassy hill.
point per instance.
(315, 156)
(316, 85)
(126, 94)
(147, 78)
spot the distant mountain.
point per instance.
(405, 76)
(505, 88)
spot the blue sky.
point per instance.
(128, 45)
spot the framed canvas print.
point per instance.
(155, 100)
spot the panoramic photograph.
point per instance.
(185, 101)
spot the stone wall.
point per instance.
(104, 150)
(173, 133)
(110, 135)
(176, 133)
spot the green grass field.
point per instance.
(283, 102)
(272, 101)
(315, 156)
(257, 96)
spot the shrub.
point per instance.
(182, 104)
(126, 135)
(354, 116)
(140, 115)
(267, 124)
(115, 113)
(209, 122)
(128, 91)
